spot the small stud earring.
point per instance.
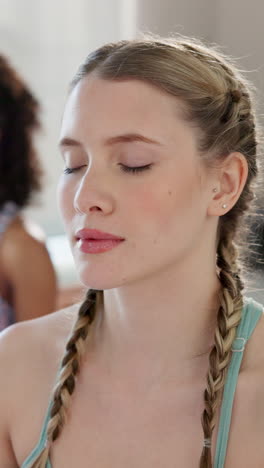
(215, 190)
(224, 206)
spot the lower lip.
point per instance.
(97, 246)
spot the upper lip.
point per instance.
(85, 234)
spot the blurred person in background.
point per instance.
(27, 276)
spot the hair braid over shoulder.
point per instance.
(228, 318)
(70, 367)
(218, 101)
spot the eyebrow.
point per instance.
(130, 138)
(125, 138)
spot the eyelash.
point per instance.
(133, 170)
(69, 170)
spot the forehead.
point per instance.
(98, 107)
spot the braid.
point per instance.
(218, 100)
(228, 318)
(70, 367)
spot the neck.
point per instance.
(163, 325)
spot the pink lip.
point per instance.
(94, 241)
(94, 234)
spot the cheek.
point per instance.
(163, 202)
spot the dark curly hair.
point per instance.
(20, 171)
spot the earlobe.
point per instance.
(217, 209)
(232, 176)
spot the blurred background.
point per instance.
(46, 41)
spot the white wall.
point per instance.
(239, 27)
(235, 25)
(188, 17)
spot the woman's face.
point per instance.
(109, 128)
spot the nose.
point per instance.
(93, 195)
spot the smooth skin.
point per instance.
(138, 400)
(27, 276)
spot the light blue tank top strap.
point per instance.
(43, 436)
(41, 443)
(251, 314)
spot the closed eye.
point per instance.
(136, 169)
(70, 170)
(133, 170)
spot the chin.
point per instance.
(99, 282)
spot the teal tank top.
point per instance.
(251, 314)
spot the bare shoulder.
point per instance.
(34, 338)
(30, 351)
(22, 238)
(24, 227)
(30, 355)
(27, 268)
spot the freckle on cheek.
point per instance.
(169, 192)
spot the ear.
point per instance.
(229, 182)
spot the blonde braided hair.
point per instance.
(228, 318)
(218, 100)
(70, 368)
